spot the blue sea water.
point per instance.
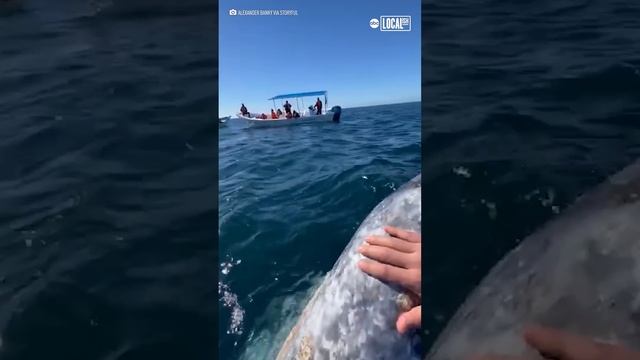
(107, 187)
(290, 199)
(526, 106)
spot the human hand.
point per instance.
(409, 320)
(395, 258)
(561, 345)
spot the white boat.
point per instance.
(333, 115)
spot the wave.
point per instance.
(619, 80)
(151, 8)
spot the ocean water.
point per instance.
(526, 106)
(108, 181)
(290, 199)
(108, 190)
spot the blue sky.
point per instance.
(327, 46)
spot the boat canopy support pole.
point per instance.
(298, 104)
(274, 104)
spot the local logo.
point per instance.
(374, 23)
(233, 12)
(395, 23)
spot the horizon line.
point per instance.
(380, 104)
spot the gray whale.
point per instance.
(580, 273)
(351, 315)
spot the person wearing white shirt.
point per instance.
(309, 111)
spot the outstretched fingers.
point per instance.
(385, 255)
(390, 242)
(383, 272)
(409, 236)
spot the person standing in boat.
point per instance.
(273, 114)
(244, 111)
(309, 111)
(287, 107)
(318, 107)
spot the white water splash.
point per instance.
(230, 300)
(493, 210)
(462, 171)
(391, 186)
(546, 198)
(229, 264)
(280, 315)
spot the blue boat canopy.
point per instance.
(297, 95)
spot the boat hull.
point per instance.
(330, 116)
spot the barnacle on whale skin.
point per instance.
(305, 351)
(405, 302)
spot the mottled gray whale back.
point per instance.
(580, 272)
(351, 315)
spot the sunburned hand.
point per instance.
(396, 258)
(560, 345)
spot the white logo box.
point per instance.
(395, 23)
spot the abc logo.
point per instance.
(374, 23)
(233, 12)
